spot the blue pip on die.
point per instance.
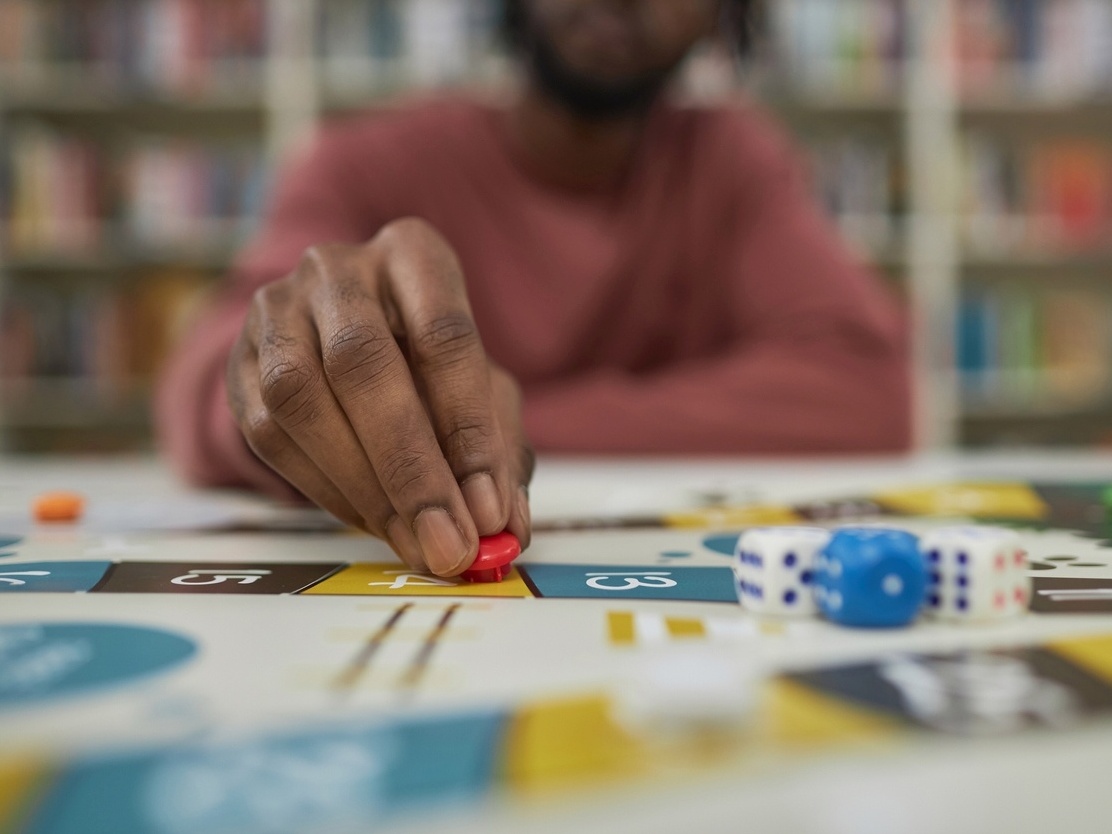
(773, 566)
(870, 577)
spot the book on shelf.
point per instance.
(53, 193)
(1029, 350)
(110, 339)
(366, 45)
(1051, 197)
(1071, 194)
(859, 180)
(178, 192)
(181, 47)
(844, 47)
(66, 195)
(1009, 49)
(1054, 49)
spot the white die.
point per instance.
(975, 573)
(773, 567)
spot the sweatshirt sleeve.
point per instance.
(816, 362)
(193, 422)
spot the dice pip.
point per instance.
(975, 573)
(773, 569)
(870, 577)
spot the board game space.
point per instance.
(219, 666)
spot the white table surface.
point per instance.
(612, 486)
(1036, 782)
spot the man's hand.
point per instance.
(361, 379)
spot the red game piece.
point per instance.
(495, 554)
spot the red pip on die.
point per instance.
(975, 573)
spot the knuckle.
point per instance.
(446, 337)
(259, 308)
(334, 269)
(264, 435)
(403, 469)
(405, 230)
(358, 353)
(415, 237)
(468, 440)
(260, 298)
(269, 304)
(319, 257)
(346, 288)
(291, 391)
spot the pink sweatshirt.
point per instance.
(704, 306)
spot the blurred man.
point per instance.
(589, 267)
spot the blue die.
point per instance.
(870, 577)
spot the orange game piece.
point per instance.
(59, 507)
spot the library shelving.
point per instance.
(960, 145)
(134, 139)
(1003, 115)
(1032, 103)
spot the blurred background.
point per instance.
(963, 146)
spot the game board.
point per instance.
(300, 679)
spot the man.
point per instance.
(589, 268)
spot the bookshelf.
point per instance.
(960, 144)
(135, 139)
(1000, 112)
(1034, 213)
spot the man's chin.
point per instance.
(592, 97)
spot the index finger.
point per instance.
(369, 376)
(426, 289)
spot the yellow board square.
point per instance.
(798, 717)
(1002, 500)
(1092, 653)
(728, 517)
(684, 627)
(21, 784)
(391, 579)
(621, 627)
(558, 744)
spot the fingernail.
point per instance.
(484, 502)
(405, 543)
(441, 541)
(523, 511)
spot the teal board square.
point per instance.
(334, 778)
(51, 577)
(689, 584)
(39, 661)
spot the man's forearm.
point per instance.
(773, 400)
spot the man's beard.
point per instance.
(586, 97)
